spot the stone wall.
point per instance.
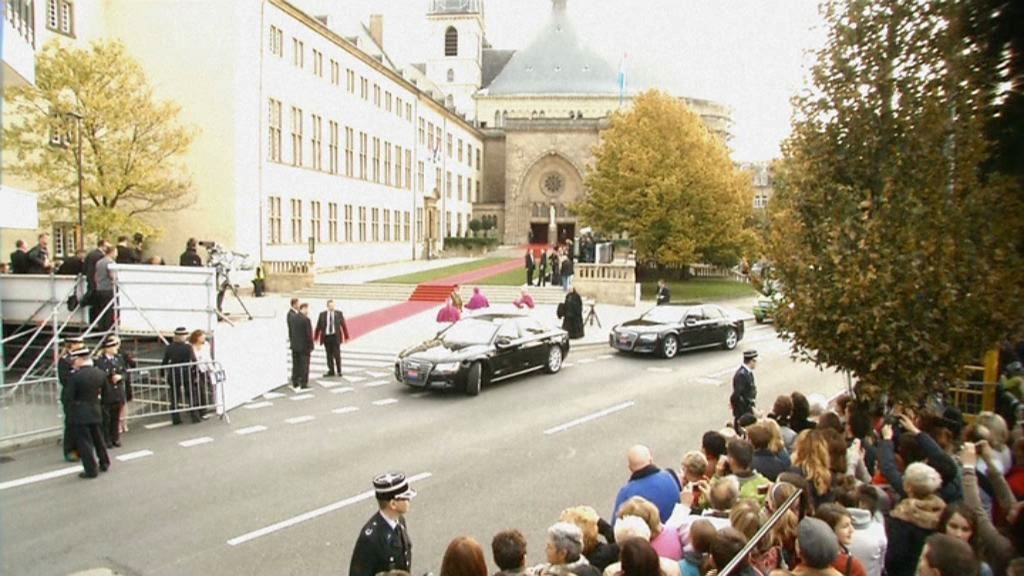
(607, 283)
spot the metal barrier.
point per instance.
(33, 408)
(741, 557)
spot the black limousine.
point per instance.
(665, 330)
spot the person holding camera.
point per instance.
(190, 257)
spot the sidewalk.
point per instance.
(372, 273)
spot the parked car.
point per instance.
(481, 349)
(765, 307)
(667, 329)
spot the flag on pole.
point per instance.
(622, 78)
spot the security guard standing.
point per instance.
(384, 543)
(85, 414)
(744, 391)
(180, 356)
(116, 391)
(64, 370)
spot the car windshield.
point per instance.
(664, 314)
(469, 331)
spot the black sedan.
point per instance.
(480, 349)
(665, 330)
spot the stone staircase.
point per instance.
(428, 293)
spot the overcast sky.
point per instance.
(748, 54)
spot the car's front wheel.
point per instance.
(474, 379)
(731, 339)
(669, 346)
(555, 357)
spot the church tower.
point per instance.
(455, 54)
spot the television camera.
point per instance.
(225, 262)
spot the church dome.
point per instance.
(555, 62)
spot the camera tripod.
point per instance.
(222, 289)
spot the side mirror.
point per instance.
(503, 342)
(690, 322)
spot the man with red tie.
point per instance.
(331, 331)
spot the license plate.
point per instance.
(623, 339)
(412, 374)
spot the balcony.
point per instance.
(19, 43)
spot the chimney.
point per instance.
(377, 29)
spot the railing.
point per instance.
(606, 272)
(286, 267)
(741, 557)
(34, 408)
(709, 271)
(21, 15)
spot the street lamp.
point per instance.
(68, 102)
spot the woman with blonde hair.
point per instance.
(811, 460)
(746, 517)
(664, 539)
(599, 554)
(782, 537)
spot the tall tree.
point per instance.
(895, 250)
(131, 143)
(662, 177)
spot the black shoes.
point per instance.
(87, 476)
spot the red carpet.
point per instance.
(424, 297)
(365, 323)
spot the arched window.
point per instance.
(451, 75)
(449, 101)
(497, 119)
(504, 117)
(451, 42)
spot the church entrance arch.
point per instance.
(548, 188)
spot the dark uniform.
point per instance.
(744, 391)
(64, 371)
(85, 416)
(190, 258)
(178, 378)
(300, 339)
(19, 262)
(380, 547)
(115, 394)
(72, 266)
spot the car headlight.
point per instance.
(447, 367)
(648, 337)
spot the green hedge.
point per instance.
(471, 242)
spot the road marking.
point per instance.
(603, 357)
(250, 430)
(385, 402)
(303, 397)
(659, 370)
(258, 405)
(342, 390)
(419, 394)
(40, 477)
(353, 379)
(706, 380)
(376, 384)
(345, 409)
(300, 419)
(585, 361)
(134, 455)
(329, 383)
(312, 514)
(155, 425)
(368, 363)
(594, 416)
(722, 372)
(567, 364)
(195, 442)
(272, 395)
(377, 374)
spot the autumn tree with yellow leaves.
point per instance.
(662, 177)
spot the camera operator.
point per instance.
(190, 257)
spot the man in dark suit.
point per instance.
(543, 272)
(125, 253)
(664, 295)
(73, 265)
(39, 256)
(530, 265)
(179, 355)
(300, 337)
(383, 543)
(85, 414)
(91, 259)
(331, 331)
(190, 257)
(744, 391)
(19, 258)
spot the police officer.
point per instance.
(744, 392)
(84, 412)
(180, 355)
(116, 391)
(64, 370)
(383, 543)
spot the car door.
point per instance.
(531, 336)
(715, 325)
(692, 324)
(507, 356)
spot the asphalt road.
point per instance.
(513, 457)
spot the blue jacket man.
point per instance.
(660, 487)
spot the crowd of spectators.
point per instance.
(888, 490)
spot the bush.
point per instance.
(470, 242)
